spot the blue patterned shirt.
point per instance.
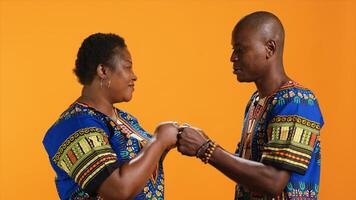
(85, 146)
(282, 130)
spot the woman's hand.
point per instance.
(166, 133)
(132, 176)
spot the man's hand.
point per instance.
(190, 140)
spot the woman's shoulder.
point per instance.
(76, 118)
(78, 110)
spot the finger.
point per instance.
(196, 128)
(186, 124)
(183, 127)
(179, 136)
(200, 131)
(180, 129)
(174, 123)
(181, 149)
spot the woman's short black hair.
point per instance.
(98, 48)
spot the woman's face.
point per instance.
(122, 77)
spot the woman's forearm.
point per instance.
(128, 180)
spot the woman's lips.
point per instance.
(132, 87)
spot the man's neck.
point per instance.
(269, 84)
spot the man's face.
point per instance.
(248, 56)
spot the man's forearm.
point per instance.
(256, 176)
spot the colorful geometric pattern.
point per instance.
(85, 154)
(85, 146)
(282, 130)
(302, 190)
(79, 194)
(291, 143)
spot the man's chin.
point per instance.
(243, 80)
(240, 79)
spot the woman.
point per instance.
(97, 150)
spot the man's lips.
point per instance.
(236, 69)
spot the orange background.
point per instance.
(181, 53)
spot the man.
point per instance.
(278, 156)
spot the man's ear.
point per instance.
(270, 48)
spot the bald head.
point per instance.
(257, 42)
(264, 26)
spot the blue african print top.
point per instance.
(282, 130)
(85, 146)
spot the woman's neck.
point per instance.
(97, 99)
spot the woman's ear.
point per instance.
(102, 71)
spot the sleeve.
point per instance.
(292, 131)
(85, 153)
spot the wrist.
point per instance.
(215, 155)
(206, 151)
(202, 149)
(162, 145)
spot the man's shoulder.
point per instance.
(294, 100)
(293, 86)
(293, 92)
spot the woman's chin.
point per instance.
(128, 98)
